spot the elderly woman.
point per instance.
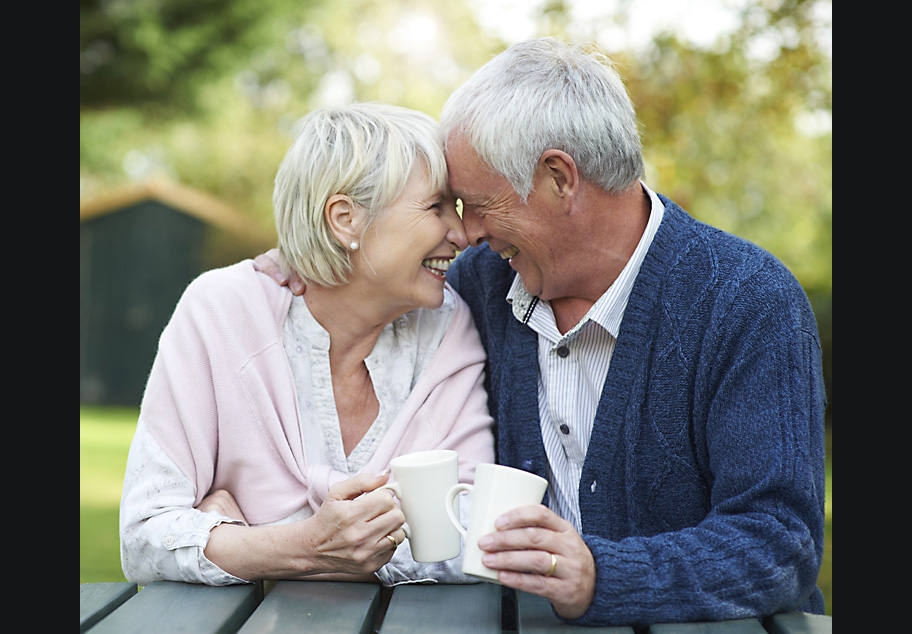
(269, 420)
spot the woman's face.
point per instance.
(407, 249)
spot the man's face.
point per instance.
(492, 212)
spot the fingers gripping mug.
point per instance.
(497, 489)
(422, 480)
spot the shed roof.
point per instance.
(191, 201)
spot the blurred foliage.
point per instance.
(160, 52)
(206, 93)
(737, 132)
(729, 133)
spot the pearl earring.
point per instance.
(353, 246)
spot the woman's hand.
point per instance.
(349, 533)
(222, 502)
(346, 539)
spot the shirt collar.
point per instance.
(608, 310)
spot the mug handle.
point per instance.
(455, 490)
(394, 487)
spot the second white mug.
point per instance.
(497, 489)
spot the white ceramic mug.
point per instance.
(422, 480)
(497, 489)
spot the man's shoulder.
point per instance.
(690, 238)
(696, 260)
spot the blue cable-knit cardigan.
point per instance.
(702, 493)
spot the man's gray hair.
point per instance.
(545, 94)
(366, 151)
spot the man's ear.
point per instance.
(559, 173)
(341, 214)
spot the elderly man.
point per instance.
(664, 376)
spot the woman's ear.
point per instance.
(341, 214)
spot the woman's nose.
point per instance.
(457, 235)
(474, 229)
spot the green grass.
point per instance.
(104, 439)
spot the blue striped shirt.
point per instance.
(572, 371)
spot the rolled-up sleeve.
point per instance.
(161, 535)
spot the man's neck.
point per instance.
(622, 220)
(569, 311)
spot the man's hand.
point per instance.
(529, 541)
(268, 263)
(222, 502)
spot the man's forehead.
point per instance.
(468, 173)
(459, 151)
(468, 194)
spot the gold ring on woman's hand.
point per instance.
(395, 543)
(553, 565)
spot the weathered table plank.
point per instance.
(738, 626)
(97, 600)
(799, 623)
(443, 609)
(170, 606)
(534, 615)
(316, 607)
(319, 607)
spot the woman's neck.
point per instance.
(353, 332)
(343, 312)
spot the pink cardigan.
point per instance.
(221, 401)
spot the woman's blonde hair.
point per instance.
(366, 151)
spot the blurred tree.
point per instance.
(409, 52)
(207, 94)
(739, 135)
(161, 51)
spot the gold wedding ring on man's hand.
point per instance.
(553, 565)
(393, 539)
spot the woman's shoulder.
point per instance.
(236, 289)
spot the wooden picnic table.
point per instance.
(315, 607)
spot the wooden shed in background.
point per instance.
(139, 247)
